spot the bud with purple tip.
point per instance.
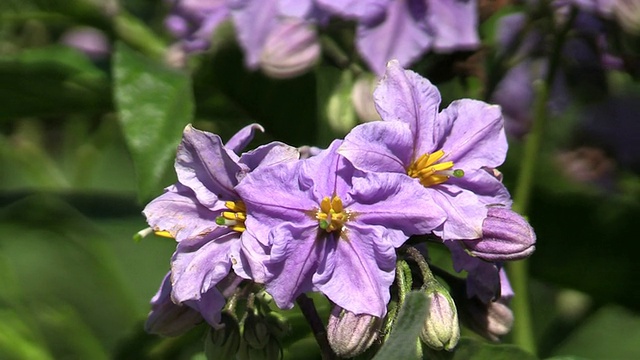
(441, 329)
(350, 334)
(505, 236)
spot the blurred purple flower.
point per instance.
(167, 318)
(194, 21)
(91, 41)
(406, 29)
(205, 215)
(291, 49)
(255, 20)
(319, 224)
(447, 152)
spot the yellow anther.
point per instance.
(427, 169)
(234, 218)
(163, 233)
(331, 215)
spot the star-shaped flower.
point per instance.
(205, 215)
(319, 224)
(450, 153)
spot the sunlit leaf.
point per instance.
(154, 104)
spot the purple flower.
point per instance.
(320, 225)
(406, 29)
(205, 215)
(255, 20)
(291, 49)
(91, 41)
(450, 153)
(167, 318)
(194, 21)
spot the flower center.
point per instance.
(234, 218)
(331, 215)
(430, 172)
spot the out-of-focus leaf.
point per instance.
(472, 349)
(613, 332)
(154, 104)
(59, 256)
(336, 113)
(403, 340)
(303, 349)
(17, 339)
(52, 80)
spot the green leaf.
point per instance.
(52, 80)
(472, 349)
(154, 104)
(612, 332)
(403, 340)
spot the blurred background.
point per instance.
(94, 96)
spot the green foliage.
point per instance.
(52, 80)
(154, 104)
(403, 340)
(472, 349)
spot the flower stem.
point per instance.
(311, 314)
(518, 270)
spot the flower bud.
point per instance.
(350, 334)
(256, 331)
(259, 338)
(362, 98)
(290, 50)
(491, 320)
(223, 343)
(441, 329)
(505, 236)
(167, 318)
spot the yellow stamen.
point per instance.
(234, 218)
(430, 172)
(331, 215)
(163, 233)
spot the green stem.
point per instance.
(518, 271)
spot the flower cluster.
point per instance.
(342, 219)
(281, 34)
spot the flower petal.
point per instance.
(205, 166)
(455, 24)
(178, 212)
(362, 272)
(383, 146)
(406, 96)
(368, 11)
(242, 138)
(294, 260)
(270, 154)
(465, 213)
(474, 134)
(254, 20)
(167, 318)
(401, 35)
(197, 267)
(396, 202)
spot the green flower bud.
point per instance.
(441, 329)
(223, 343)
(256, 331)
(350, 334)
